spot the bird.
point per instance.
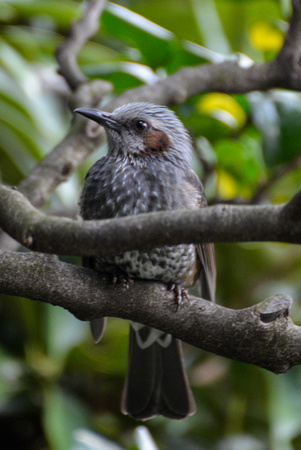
(147, 168)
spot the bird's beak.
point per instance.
(103, 118)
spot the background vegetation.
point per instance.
(56, 387)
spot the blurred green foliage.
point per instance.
(56, 388)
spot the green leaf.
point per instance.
(277, 116)
(123, 75)
(62, 415)
(62, 332)
(137, 32)
(19, 146)
(289, 109)
(284, 408)
(242, 160)
(109, 356)
(62, 12)
(35, 44)
(174, 15)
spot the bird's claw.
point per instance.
(121, 278)
(181, 294)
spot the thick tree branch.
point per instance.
(272, 341)
(289, 57)
(228, 76)
(220, 223)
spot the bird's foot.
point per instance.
(181, 294)
(122, 278)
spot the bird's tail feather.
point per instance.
(98, 328)
(156, 381)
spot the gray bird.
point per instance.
(148, 168)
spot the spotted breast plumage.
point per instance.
(148, 168)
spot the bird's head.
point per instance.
(143, 130)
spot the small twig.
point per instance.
(78, 33)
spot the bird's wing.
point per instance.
(207, 279)
(94, 203)
(93, 206)
(205, 252)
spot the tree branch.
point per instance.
(289, 57)
(272, 341)
(78, 33)
(220, 223)
(59, 164)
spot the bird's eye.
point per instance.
(140, 125)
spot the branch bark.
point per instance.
(220, 223)
(78, 33)
(272, 341)
(81, 141)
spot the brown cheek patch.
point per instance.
(156, 142)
